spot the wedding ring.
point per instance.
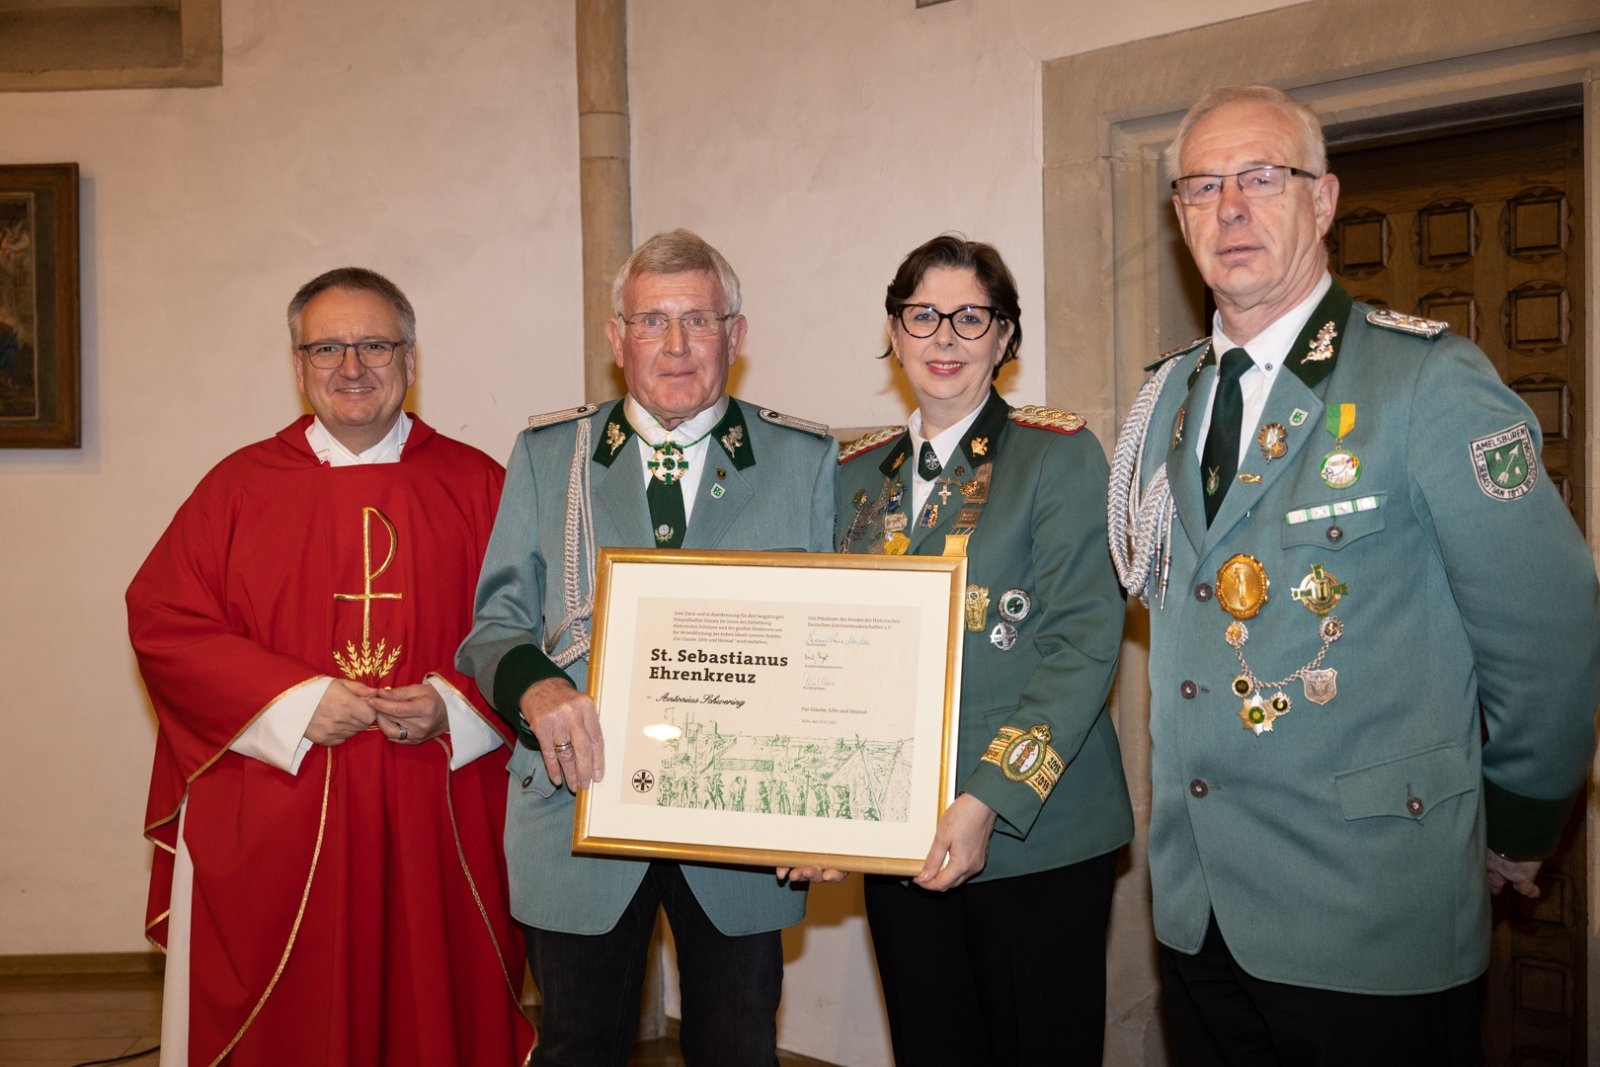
(404, 732)
(564, 749)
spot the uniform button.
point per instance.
(1414, 805)
(527, 782)
(1199, 788)
(1202, 592)
(1335, 534)
(1188, 689)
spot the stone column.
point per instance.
(604, 192)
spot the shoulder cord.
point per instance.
(577, 558)
(1140, 523)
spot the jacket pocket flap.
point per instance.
(1333, 524)
(527, 770)
(1406, 787)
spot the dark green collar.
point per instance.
(897, 456)
(979, 444)
(730, 432)
(1314, 352)
(983, 436)
(613, 435)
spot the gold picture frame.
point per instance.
(774, 709)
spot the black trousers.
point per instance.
(590, 984)
(1006, 973)
(1216, 1014)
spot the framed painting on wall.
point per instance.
(39, 398)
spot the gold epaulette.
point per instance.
(554, 418)
(868, 441)
(1416, 325)
(1180, 350)
(778, 418)
(1046, 418)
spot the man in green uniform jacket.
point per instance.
(720, 474)
(1375, 645)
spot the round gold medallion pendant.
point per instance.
(1242, 586)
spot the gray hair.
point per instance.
(357, 279)
(677, 252)
(1313, 147)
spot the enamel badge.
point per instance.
(1015, 604)
(1319, 591)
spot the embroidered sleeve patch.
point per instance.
(1504, 463)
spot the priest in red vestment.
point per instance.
(328, 794)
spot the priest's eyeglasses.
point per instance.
(970, 322)
(330, 354)
(1198, 190)
(651, 325)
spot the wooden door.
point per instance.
(1484, 229)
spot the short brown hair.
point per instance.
(954, 252)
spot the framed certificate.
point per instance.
(774, 709)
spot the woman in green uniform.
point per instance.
(995, 953)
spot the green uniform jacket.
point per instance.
(1345, 848)
(1041, 532)
(769, 487)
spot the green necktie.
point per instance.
(1219, 460)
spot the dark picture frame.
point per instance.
(40, 403)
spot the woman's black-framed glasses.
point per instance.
(969, 323)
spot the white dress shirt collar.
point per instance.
(328, 450)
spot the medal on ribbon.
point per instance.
(1340, 467)
(667, 463)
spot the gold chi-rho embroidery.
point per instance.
(371, 663)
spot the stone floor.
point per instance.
(60, 1020)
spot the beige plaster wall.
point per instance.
(435, 141)
(816, 143)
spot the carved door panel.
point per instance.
(1484, 230)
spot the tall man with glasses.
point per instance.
(1374, 635)
(674, 463)
(328, 794)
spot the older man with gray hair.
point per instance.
(1374, 645)
(674, 463)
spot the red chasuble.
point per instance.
(355, 913)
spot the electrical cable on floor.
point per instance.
(129, 1058)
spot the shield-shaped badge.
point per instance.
(1504, 463)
